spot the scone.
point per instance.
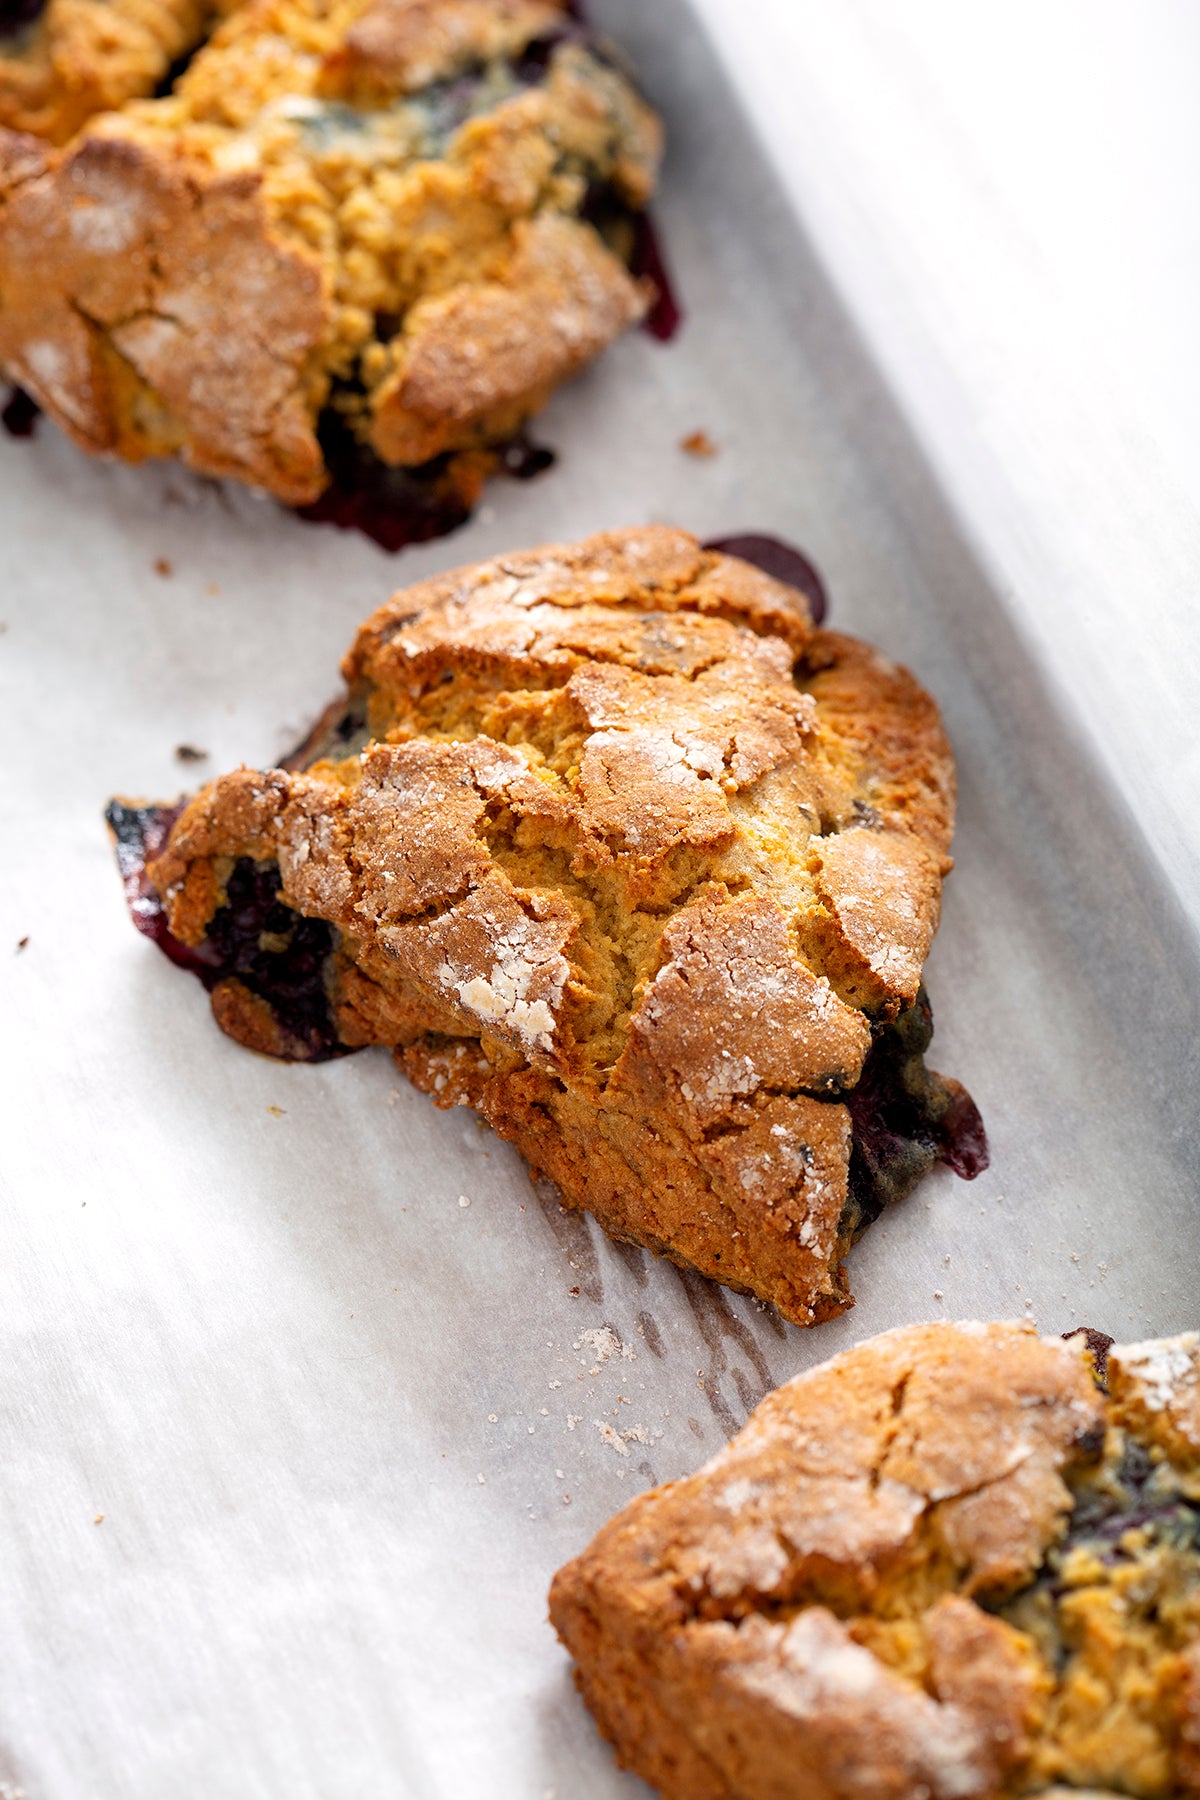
(393, 225)
(61, 61)
(609, 843)
(954, 1562)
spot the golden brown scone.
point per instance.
(946, 1563)
(64, 60)
(611, 845)
(363, 211)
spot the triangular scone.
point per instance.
(948, 1563)
(611, 845)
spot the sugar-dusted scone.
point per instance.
(610, 844)
(61, 61)
(370, 219)
(950, 1563)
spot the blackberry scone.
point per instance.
(61, 61)
(609, 843)
(387, 227)
(956, 1562)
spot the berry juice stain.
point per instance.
(392, 507)
(665, 317)
(20, 414)
(16, 15)
(396, 507)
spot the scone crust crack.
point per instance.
(585, 830)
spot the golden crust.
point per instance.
(204, 274)
(578, 878)
(399, 46)
(540, 612)
(843, 1604)
(476, 361)
(104, 319)
(82, 57)
(1156, 1388)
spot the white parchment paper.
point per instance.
(293, 1437)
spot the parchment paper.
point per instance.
(292, 1436)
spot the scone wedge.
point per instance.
(609, 843)
(957, 1562)
(376, 228)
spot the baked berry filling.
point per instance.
(531, 65)
(254, 940)
(17, 15)
(20, 414)
(906, 1119)
(439, 110)
(1132, 1497)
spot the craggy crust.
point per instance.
(629, 858)
(80, 57)
(945, 1564)
(362, 205)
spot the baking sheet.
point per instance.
(293, 1439)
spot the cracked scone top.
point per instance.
(945, 1564)
(370, 216)
(612, 845)
(61, 61)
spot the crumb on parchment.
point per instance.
(698, 443)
